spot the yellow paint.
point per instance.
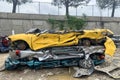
(39, 41)
(36, 41)
(96, 33)
(110, 47)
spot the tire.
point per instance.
(21, 45)
(86, 63)
(86, 42)
(80, 42)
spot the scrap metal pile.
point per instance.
(45, 49)
(4, 44)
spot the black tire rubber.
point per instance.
(21, 45)
(86, 42)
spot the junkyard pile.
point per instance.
(79, 51)
(53, 74)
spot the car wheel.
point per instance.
(21, 45)
(86, 42)
(86, 63)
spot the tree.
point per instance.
(69, 3)
(73, 23)
(108, 4)
(17, 2)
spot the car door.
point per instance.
(44, 40)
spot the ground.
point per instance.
(51, 74)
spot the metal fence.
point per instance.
(48, 8)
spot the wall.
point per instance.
(22, 22)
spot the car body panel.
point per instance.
(56, 57)
(96, 33)
(49, 40)
(46, 40)
(38, 41)
(110, 46)
(24, 37)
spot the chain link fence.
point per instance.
(49, 9)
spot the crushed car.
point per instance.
(45, 49)
(57, 57)
(36, 39)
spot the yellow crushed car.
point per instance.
(36, 39)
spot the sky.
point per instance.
(43, 0)
(92, 2)
(45, 7)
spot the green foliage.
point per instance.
(72, 23)
(56, 24)
(52, 22)
(76, 23)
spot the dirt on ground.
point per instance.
(52, 74)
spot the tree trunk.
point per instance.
(67, 8)
(14, 6)
(113, 8)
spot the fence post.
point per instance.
(39, 7)
(18, 9)
(58, 9)
(76, 11)
(92, 10)
(108, 12)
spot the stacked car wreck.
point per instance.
(45, 49)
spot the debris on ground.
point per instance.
(112, 69)
(50, 74)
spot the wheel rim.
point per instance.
(21, 46)
(86, 63)
(86, 42)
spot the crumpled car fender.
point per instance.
(110, 47)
